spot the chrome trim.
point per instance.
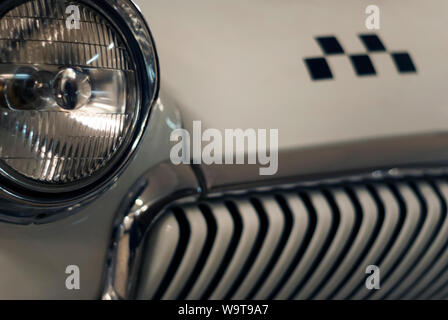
(192, 223)
(171, 184)
(379, 175)
(158, 188)
(22, 206)
(332, 160)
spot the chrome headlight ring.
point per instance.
(25, 201)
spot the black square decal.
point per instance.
(372, 42)
(403, 61)
(318, 68)
(330, 45)
(363, 65)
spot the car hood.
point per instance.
(241, 64)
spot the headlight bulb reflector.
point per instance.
(68, 97)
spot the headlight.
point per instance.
(74, 97)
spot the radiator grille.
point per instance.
(304, 243)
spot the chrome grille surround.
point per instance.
(308, 241)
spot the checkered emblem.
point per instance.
(320, 70)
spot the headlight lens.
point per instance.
(68, 97)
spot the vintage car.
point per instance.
(266, 150)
